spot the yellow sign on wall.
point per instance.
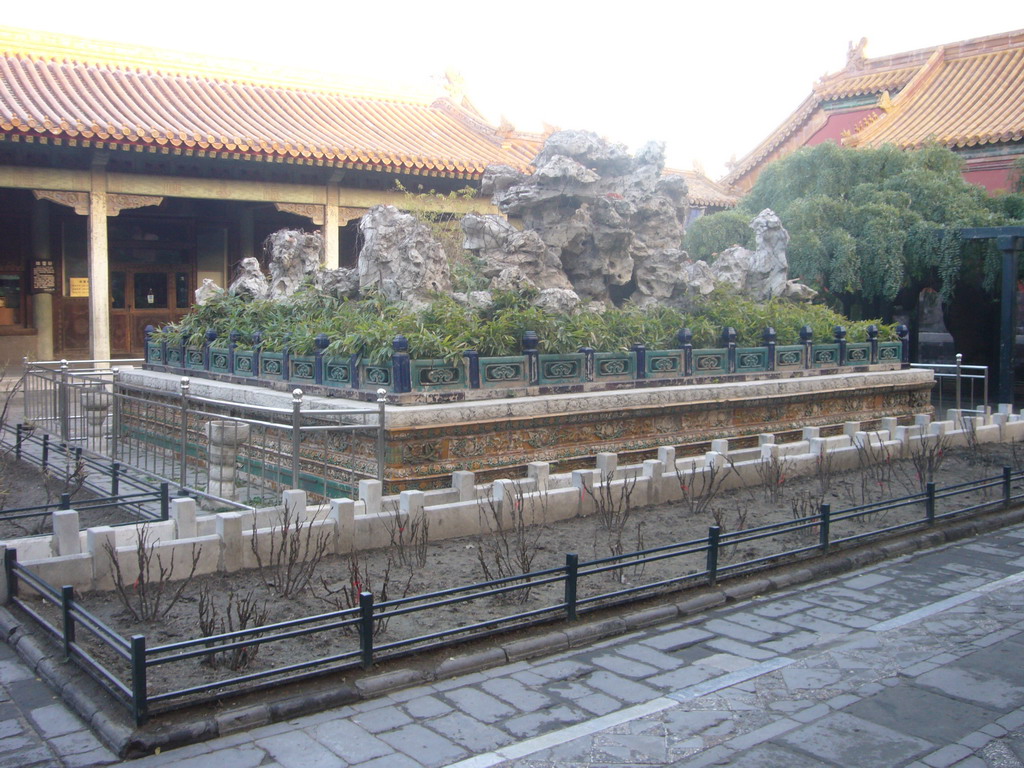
(78, 287)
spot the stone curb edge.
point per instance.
(74, 687)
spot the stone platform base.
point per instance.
(498, 438)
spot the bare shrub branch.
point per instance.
(296, 550)
(510, 544)
(144, 598)
(241, 613)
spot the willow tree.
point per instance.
(866, 224)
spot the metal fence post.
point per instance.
(46, 451)
(18, 437)
(824, 525)
(1006, 486)
(115, 422)
(62, 401)
(140, 704)
(713, 533)
(115, 478)
(929, 503)
(296, 434)
(572, 569)
(10, 560)
(366, 628)
(165, 501)
(65, 501)
(382, 399)
(67, 599)
(959, 360)
(182, 476)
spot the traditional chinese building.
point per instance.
(968, 96)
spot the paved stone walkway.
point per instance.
(914, 662)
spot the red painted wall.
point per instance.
(838, 122)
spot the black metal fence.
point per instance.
(125, 666)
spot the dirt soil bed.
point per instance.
(252, 598)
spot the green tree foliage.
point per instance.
(869, 222)
(710, 235)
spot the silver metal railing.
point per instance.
(958, 385)
(163, 434)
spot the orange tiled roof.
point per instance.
(960, 94)
(702, 191)
(75, 91)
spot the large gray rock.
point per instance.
(400, 257)
(500, 246)
(604, 218)
(761, 274)
(249, 280)
(294, 256)
(340, 283)
(208, 290)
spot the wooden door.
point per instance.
(154, 294)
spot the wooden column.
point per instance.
(99, 263)
(332, 244)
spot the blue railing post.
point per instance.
(873, 340)
(10, 561)
(1006, 486)
(729, 342)
(824, 524)
(807, 339)
(903, 334)
(67, 601)
(473, 367)
(208, 338)
(532, 355)
(713, 535)
(640, 350)
(929, 503)
(320, 343)
(840, 334)
(140, 697)
(366, 628)
(401, 370)
(147, 332)
(685, 337)
(770, 338)
(572, 569)
(257, 349)
(233, 339)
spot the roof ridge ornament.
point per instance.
(855, 57)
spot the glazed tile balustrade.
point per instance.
(401, 374)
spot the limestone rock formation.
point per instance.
(294, 255)
(208, 290)
(593, 214)
(761, 274)
(249, 280)
(340, 283)
(400, 257)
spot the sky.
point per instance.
(709, 79)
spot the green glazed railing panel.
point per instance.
(890, 352)
(858, 354)
(302, 368)
(245, 363)
(155, 352)
(664, 364)
(710, 362)
(825, 355)
(614, 366)
(220, 360)
(789, 358)
(509, 371)
(194, 358)
(272, 365)
(433, 375)
(563, 369)
(375, 376)
(751, 359)
(337, 372)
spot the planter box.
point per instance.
(437, 375)
(614, 366)
(509, 371)
(563, 369)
